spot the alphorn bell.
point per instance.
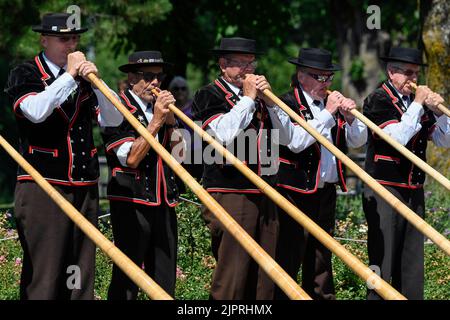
(403, 209)
(382, 287)
(136, 274)
(402, 149)
(272, 269)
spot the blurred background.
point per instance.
(185, 31)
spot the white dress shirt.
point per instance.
(323, 122)
(37, 108)
(228, 126)
(409, 125)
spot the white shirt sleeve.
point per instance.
(37, 108)
(122, 152)
(408, 126)
(109, 116)
(301, 139)
(281, 121)
(441, 134)
(227, 126)
(356, 134)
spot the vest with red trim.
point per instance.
(209, 103)
(61, 147)
(300, 172)
(383, 162)
(152, 183)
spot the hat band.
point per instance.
(148, 61)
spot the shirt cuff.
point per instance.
(122, 152)
(416, 108)
(326, 118)
(68, 81)
(443, 121)
(246, 103)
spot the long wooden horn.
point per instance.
(382, 287)
(402, 149)
(273, 270)
(136, 274)
(441, 107)
(406, 212)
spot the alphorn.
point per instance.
(406, 212)
(402, 149)
(136, 274)
(381, 286)
(441, 107)
(273, 269)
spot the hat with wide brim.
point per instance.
(140, 59)
(315, 58)
(405, 55)
(57, 23)
(236, 45)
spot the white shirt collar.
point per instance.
(142, 104)
(398, 93)
(310, 99)
(53, 67)
(232, 87)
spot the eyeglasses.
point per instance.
(65, 39)
(150, 76)
(407, 72)
(179, 88)
(321, 77)
(243, 65)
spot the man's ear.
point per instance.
(131, 80)
(222, 63)
(43, 41)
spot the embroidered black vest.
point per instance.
(152, 182)
(209, 103)
(300, 172)
(61, 147)
(383, 162)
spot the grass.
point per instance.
(195, 261)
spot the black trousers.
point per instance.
(51, 243)
(297, 247)
(237, 276)
(148, 236)
(394, 245)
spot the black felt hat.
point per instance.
(406, 55)
(236, 45)
(315, 58)
(141, 59)
(56, 23)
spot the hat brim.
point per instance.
(387, 59)
(333, 67)
(131, 67)
(39, 29)
(219, 52)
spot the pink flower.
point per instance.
(18, 262)
(180, 274)
(2, 259)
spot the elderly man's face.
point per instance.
(144, 80)
(401, 76)
(315, 82)
(59, 46)
(234, 67)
